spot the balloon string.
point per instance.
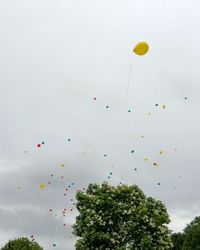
(129, 78)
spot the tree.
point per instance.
(22, 244)
(177, 240)
(120, 218)
(192, 235)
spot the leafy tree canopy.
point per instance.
(177, 240)
(22, 244)
(120, 218)
(192, 235)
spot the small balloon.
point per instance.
(164, 106)
(38, 145)
(141, 48)
(62, 165)
(42, 186)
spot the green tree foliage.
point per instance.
(120, 218)
(177, 240)
(192, 235)
(21, 244)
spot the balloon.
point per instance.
(62, 165)
(141, 48)
(42, 186)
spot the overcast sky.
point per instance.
(56, 56)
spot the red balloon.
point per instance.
(39, 145)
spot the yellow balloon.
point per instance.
(41, 186)
(141, 48)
